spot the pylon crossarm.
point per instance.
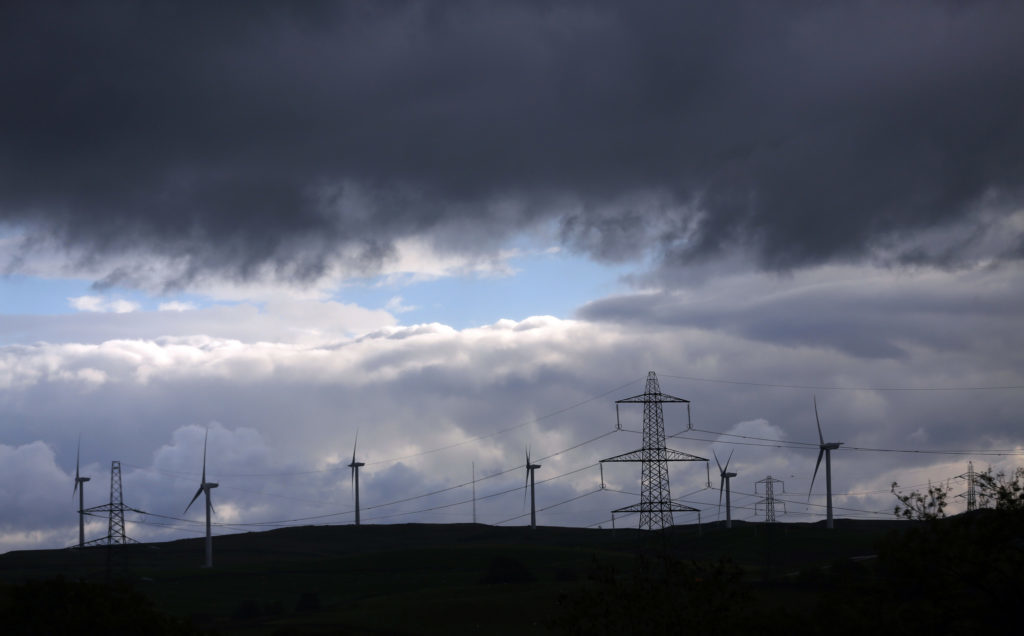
(106, 540)
(657, 506)
(679, 456)
(632, 456)
(651, 397)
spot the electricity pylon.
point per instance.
(971, 494)
(656, 505)
(115, 510)
(769, 498)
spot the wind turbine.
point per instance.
(80, 489)
(530, 467)
(826, 450)
(355, 466)
(724, 483)
(205, 487)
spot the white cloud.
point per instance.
(120, 306)
(100, 304)
(86, 303)
(176, 305)
(285, 386)
(284, 320)
(395, 306)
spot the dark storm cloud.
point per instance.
(239, 135)
(863, 313)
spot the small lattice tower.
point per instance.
(656, 505)
(769, 502)
(115, 509)
(972, 494)
(115, 527)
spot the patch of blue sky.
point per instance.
(553, 284)
(37, 296)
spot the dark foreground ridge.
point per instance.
(465, 578)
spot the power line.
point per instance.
(419, 453)
(811, 387)
(997, 452)
(504, 430)
(282, 522)
(560, 503)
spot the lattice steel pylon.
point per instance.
(656, 505)
(115, 509)
(971, 495)
(769, 498)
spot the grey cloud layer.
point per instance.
(285, 408)
(238, 135)
(865, 312)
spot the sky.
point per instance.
(463, 230)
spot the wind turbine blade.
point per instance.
(205, 438)
(196, 496)
(729, 460)
(821, 437)
(717, 462)
(78, 454)
(816, 466)
(721, 485)
(354, 444)
(209, 502)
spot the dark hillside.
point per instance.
(454, 578)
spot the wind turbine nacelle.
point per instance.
(82, 479)
(729, 475)
(211, 484)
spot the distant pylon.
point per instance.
(971, 494)
(769, 498)
(656, 505)
(115, 527)
(115, 510)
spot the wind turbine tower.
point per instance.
(204, 488)
(530, 467)
(826, 450)
(80, 488)
(724, 483)
(355, 466)
(656, 505)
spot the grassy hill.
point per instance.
(422, 578)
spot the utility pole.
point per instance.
(769, 497)
(474, 492)
(656, 505)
